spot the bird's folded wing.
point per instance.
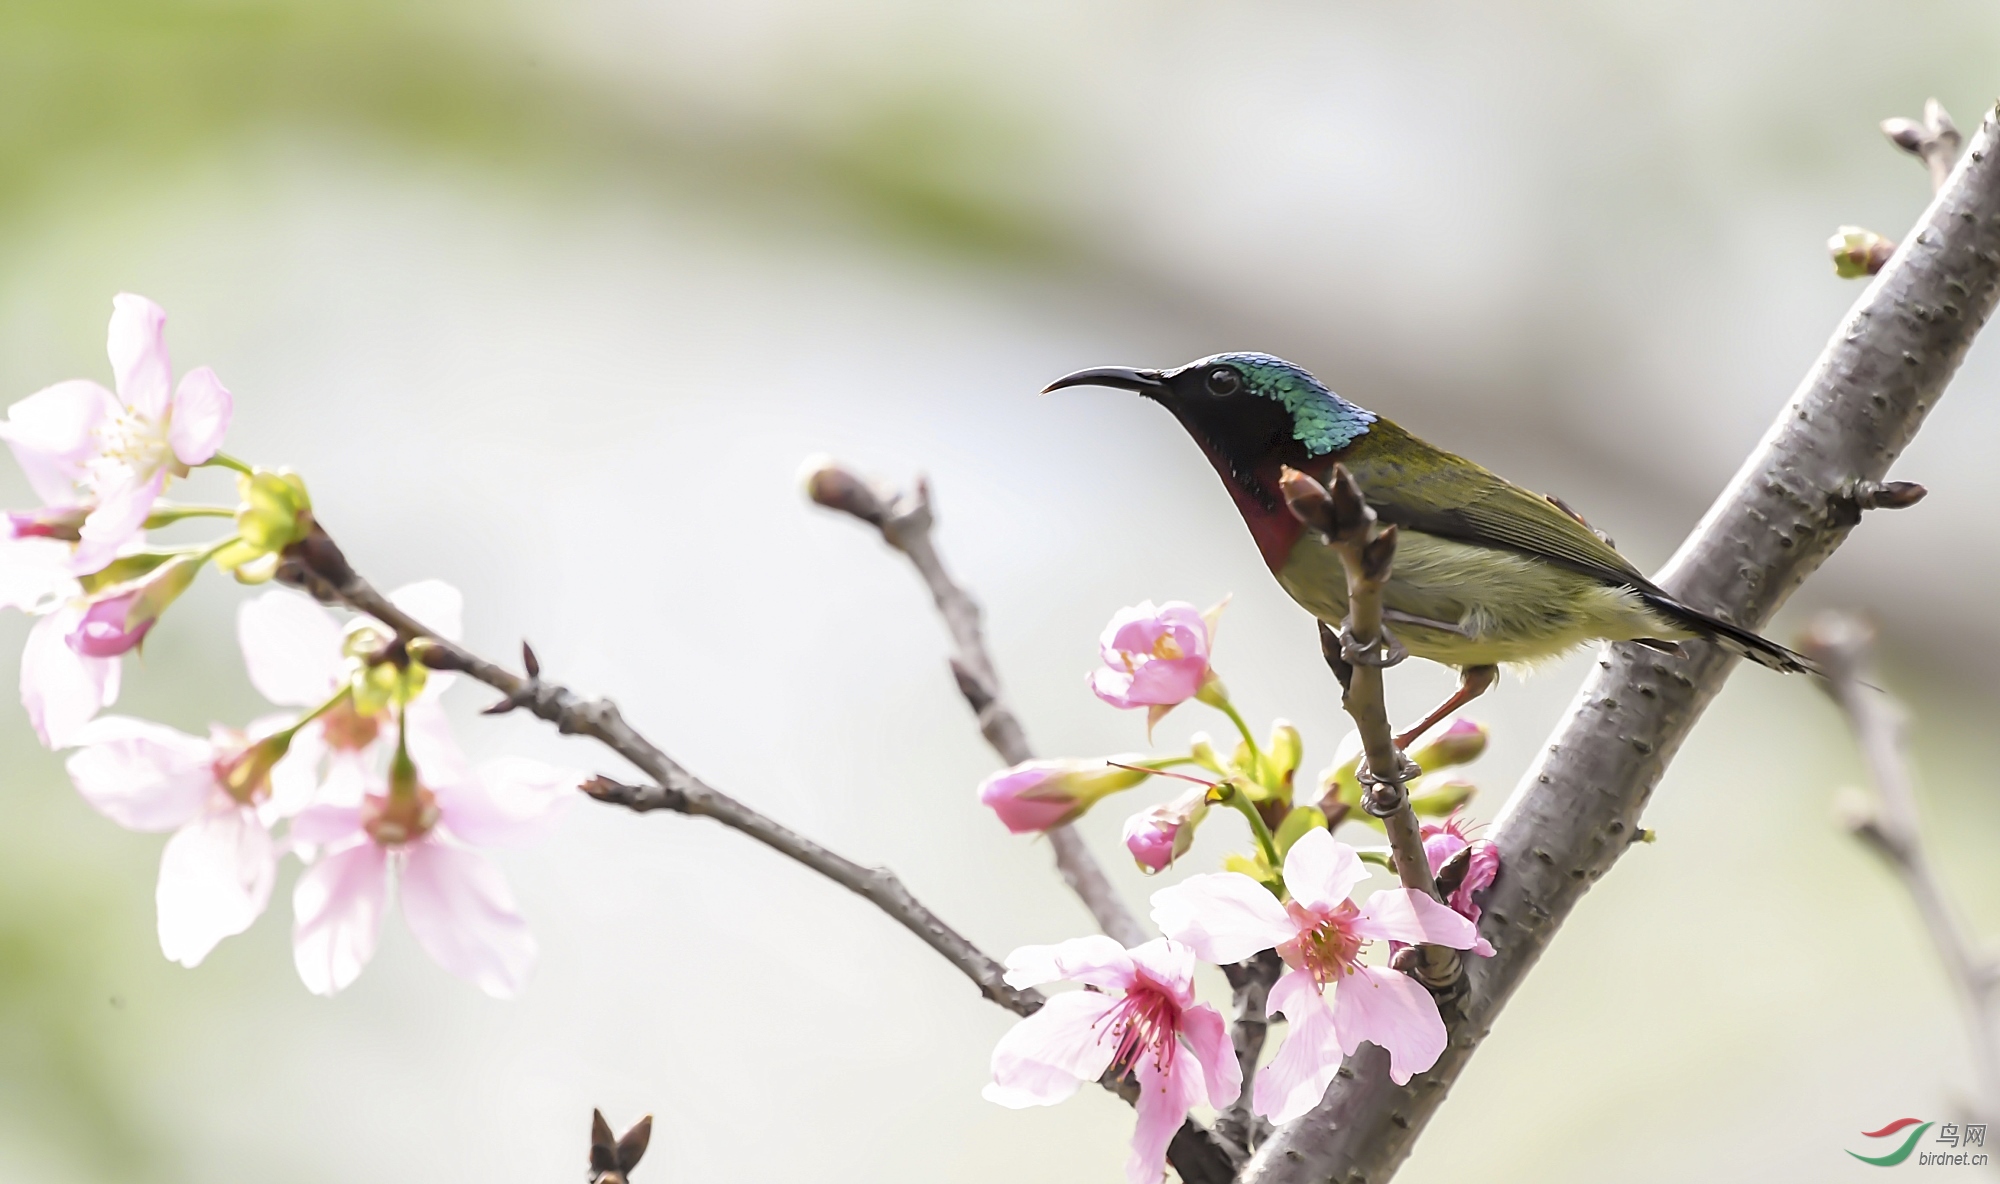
(1420, 487)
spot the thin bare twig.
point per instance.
(905, 520)
(1890, 827)
(1792, 503)
(317, 566)
(1933, 140)
(1358, 654)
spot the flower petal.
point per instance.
(141, 775)
(327, 824)
(1321, 871)
(291, 647)
(1168, 965)
(138, 349)
(1395, 1012)
(295, 778)
(337, 915)
(1165, 1095)
(61, 688)
(1208, 1037)
(1223, 916)
(436, 605)
(215, 880)
(1296, 1079)
(458, 906)
(1044, 1058)
(53, 433)
(433, 745)
(35, 573)
(1096, 960)
(507, 801)
(1406, 915)
(202, 408)
(118, 519)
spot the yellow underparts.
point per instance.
(1513, 609)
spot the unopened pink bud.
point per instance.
(1461, 743)
(1161, 834)
(120, 621)
(52, 522)
(107, 630)
(1040, 795)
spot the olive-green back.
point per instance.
(1421, 487)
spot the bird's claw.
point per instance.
(1386, 651)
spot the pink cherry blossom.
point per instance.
(62, 688)
(102, 459)
(453, 898)
(296, 655)
(1035, 796)
(1154, 656)
(1331, 999)
(1442, 840)
(1141, 1018)
(1158, 835)
(217, 869)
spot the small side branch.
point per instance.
(1934, 140)
(905, 520)
(1358, 654)
(1889, 825)
(317, 566)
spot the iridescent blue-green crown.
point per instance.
(1321, 420)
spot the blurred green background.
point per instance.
(549, 300)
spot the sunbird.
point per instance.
(1485, 572)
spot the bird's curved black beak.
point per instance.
(1146, 382)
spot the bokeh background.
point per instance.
(550, 299)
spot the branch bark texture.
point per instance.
(1792, 503)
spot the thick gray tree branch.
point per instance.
(1792, 503)
(1890, 827)
(905, 521)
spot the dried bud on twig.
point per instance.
(837, 488)
(612, 1160)
(1935, 141)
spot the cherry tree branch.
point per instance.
(317, 566)
(1890, 827)
(1357, 655)
(1577, 808)
(1250, 985)
(905, 520)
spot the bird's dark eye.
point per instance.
(1224, 380)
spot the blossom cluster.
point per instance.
(1293, 893)
(359, 766)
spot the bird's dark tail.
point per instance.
(1744, 643)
